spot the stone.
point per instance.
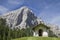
(21, 18)
(45, 34)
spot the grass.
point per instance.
(37, 38)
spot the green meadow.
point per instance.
(37, 38)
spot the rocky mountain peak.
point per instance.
(21, 18)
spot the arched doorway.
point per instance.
(40, 32)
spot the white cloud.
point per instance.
(50, 17)
(15, 2)
(3, 9)
(55, 20)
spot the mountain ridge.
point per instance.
(21, 18)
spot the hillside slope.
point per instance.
(37, 38)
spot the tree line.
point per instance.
(6, 33)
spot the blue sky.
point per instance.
(48, 10)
